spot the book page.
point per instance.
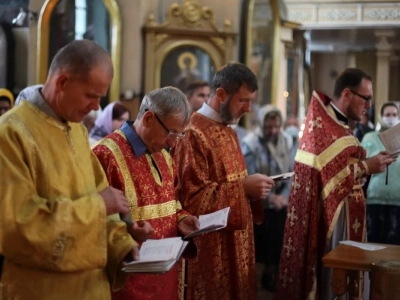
(219, 218)
(160, 250)
(391, 139)
(210, 222)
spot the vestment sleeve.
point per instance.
(198, 191)
(119, 241)
(58, 234)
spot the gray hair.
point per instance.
(166, 102)
(79, 57)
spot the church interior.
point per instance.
(293, 46)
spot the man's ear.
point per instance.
(221, 94)
(61, 81)
(347, 95)
(147, 118)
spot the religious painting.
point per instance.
(184, 65)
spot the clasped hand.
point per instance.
(141, 231)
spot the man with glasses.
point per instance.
(135, 160)
(326, 203)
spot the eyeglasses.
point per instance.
(171, 135)
(366, 98)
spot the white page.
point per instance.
(160, 250)
(218, 218)
(363, 246)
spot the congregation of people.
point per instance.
(83, 187)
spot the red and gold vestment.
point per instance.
(210, 167)
(147, 181)
(329, 166)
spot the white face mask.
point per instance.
(390, 121)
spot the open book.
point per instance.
(157, 256)
(211, 222)
(391, 140)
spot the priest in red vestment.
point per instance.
(212, 175)
(326, 203)
(135, 160)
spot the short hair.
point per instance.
(166, 102)
(388, 104)
(232, 77)
(118, 110)
(349, 78)
(79, 57)
(194, 85)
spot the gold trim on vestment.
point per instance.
(306, 158)
(320, 161)
(334, 220)
(130, 192)
(153, 170)
(168, 159)
(236, 176)
(155, 211)
(178, 205)
(333, 150)
(334, 182)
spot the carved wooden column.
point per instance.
(383, 53)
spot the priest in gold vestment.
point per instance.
(55, 239)
(326, 202)
(212, 175)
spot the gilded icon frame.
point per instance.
(187, 25)
(44, 40)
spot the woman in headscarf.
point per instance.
(6, 101)
(267, 151)
(383, 202)
(111, 118)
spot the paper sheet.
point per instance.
(364, 246)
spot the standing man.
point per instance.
(55, 199)
(197, 92)
(267, 151)
(326, 203)
(212, 175)
(136, 162)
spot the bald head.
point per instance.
(79, 58)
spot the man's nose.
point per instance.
(247, 107)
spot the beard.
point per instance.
(226, 115)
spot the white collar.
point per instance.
(210, 113)
(338, 110)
